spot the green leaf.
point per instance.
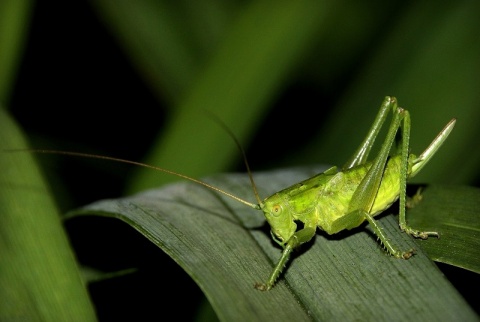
(263, 45)
(14, 20)
(222, 245)
(453, 211)
(159, 37)
(39, 279)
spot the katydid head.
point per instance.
(279, 218)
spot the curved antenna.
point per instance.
(239, 146)
(103, 157)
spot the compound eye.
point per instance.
(276, 210)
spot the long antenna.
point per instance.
(240, 148)
(103, 157)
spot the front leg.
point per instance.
(300, 237)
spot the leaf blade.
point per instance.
(345, 275)
(39, 279)
(453, 210)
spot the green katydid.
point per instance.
(337, 200)
(334, 201)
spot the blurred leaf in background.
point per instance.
(14, 24)
(39, 275)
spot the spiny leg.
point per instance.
(403, 183)
(300, 237)
(417, 165)
(361, 154)
(366, 192)
(385, 241)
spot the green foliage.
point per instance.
(242, 61)
(454, 210)
(39, 278)
(14, 16)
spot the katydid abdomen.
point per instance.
(333, 201)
